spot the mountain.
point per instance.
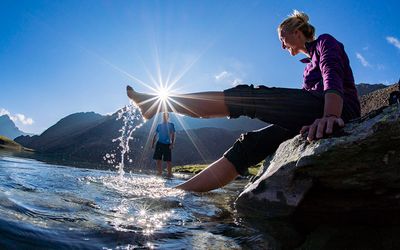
(366, 88)
(377, 99)
(8, 128)
(67, 127)
(185, 123)
(88, 137)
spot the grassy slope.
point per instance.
(6, 143)
(194, 169)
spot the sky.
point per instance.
(63, 57)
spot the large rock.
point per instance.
(357, 172)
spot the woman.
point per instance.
(328, 97)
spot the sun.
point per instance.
(163, 94)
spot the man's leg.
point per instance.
(169, 169)
(159, 167)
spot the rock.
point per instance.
(356, 172)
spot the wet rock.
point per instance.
(357, 172)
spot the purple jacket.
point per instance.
(328, 70)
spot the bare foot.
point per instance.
(146, 103)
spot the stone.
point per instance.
(356, 171)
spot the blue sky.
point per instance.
(62, 57)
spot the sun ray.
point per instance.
(150, 135)
(148, 100)
(151, 77)
(158, 67)
(190, 65)
(107, 62)
(183, 106)
(188, 133)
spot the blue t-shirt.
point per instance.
(164, 130)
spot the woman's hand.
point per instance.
(324, 124)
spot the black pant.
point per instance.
(287, 110)
(162, 152)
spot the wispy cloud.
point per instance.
(222, 75)
(229, 78)
(21, 118)
(363, 61)
(394, 41)
(380, 66)
(233, 72)
(237, 81)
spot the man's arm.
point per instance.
(154, 140)
(172, 139)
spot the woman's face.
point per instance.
(294, 42)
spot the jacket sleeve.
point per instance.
(331, 64)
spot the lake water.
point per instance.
(56, 207)
(45, 206)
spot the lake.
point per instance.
(47, 206)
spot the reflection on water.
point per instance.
(51, 206)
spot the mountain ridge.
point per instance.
(8, 128)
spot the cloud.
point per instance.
(380, 66)
(222, 75)
(232, 73)
(363, 61)
(228, 78)
(21, 118)
(394, 41)
(4, 112)
(237, 81)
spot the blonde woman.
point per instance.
(328, 98)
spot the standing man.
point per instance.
(165, 143)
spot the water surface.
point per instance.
(57, 207)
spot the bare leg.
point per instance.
(159, 167)
(217, 175)
(204, 104)
(169, 169)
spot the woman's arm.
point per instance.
(332, 112)
(331, 65)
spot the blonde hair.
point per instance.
(298, 20)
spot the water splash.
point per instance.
(132, 119)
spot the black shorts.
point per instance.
(287, 110)
(162, 152)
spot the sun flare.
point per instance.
(163, 94)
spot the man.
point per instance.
(165, 143)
